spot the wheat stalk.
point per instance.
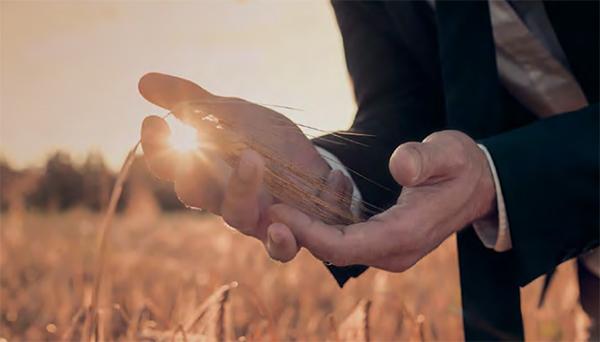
(289, 183)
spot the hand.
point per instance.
(447, 185)
(238, 195)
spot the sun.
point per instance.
(184, 138)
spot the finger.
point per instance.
(414, 163)
(160, 157)
(240, 207)
(320, 239)
(230, 112)
(412, 235)
(180, 96)
(281, 243)
(168, 91)
(191, 103)
(200, 184)
(187, 100)
(342, 246)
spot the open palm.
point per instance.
(238, 194)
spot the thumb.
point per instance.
(414, 164)
(158, 153)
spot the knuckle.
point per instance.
(455, 143)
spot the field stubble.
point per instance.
(161, 269)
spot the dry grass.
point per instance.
(164, 269)
(185, 277)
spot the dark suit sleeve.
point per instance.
(548, 173)
(395, 98)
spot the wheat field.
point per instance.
(187, 277)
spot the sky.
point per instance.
(69, 70)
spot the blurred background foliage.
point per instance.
(63, 183)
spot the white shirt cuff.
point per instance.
(494, 231)
(336, 164)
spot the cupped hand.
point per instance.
(206, 181)
(447, 184)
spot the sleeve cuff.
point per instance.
(336, 164)
(494, 231)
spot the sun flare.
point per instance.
(183, 138)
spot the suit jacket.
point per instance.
(548, 168)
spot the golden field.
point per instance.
(162, 268)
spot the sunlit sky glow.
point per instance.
(69, 70)
(183, 137)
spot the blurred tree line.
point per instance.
(63, 184)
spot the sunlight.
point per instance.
(183, 137)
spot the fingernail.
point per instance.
(416, 162)
(274, 237)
